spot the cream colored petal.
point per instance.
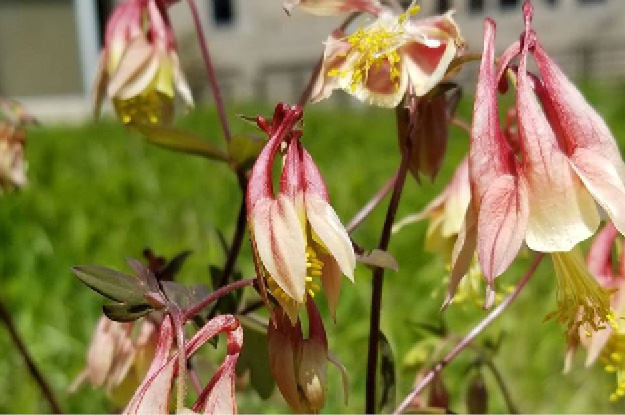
(331, 279)
(328, 227)
(281, 244)
(137, 67)
(181, 82)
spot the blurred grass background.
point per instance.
(98, 194)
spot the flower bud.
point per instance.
(297, 364)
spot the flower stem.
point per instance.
(371, 204)
(237, 239)
(210, 70)
(378, 279)
(196, 308)
(32, 367)
(466, 341)
(505, 392)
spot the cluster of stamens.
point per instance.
(374, 48)
(581, 301)
(314, 267)
(147, 108)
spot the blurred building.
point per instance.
(48, 48)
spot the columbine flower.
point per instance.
(12, 163)
(297, 236)
(607, 343)
(545, 195)
(139, 66)
(299, 365)
(153, 395)
(331, 7)
(377, 64)
(119, 357)
(445, 213)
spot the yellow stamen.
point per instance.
(612, 358)
(314, 268)
(375, 47)
(149, 107)
(581, 301)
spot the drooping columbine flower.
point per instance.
(297, 364)
(118, 359)
(153, 395)
(298, 238)
(331, 7)
(377, 64)
(13, 120)
(543, 195)
(139, 68)
(607, 343)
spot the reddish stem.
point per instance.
(194, 309)
(371, 204)
(210, 70)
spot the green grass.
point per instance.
(98, 194)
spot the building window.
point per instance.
(508, 4)
(591, 1)
(223, 12)
(476, 6)
(444, 6)
(551, 2)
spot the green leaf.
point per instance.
(244, 150)
(112, 284)
(386, 379)
(255, 357)
(379, 259)
(125, 312)
(181, 141)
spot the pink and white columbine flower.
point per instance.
(332, 7)
(544, 196)
(153, 395)
(12, 161)
(379, 63)
(139, 67)
(296, 235)
(119, 356)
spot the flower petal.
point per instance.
(281, 245)
(462, 254)
(331, 280)
(426, 65)
(136, 69)
(586, 139)
(152, 396)
(502, 220)
(328, 227)
(561, 211)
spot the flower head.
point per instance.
(298, 238)
(153, 395)
(298, 364)
(541, 189)
(377, 64)
(13, 119)
(119, 356)
(139, 67)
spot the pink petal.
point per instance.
(502, 219)
(586, 139)
(599, 258)
(220, 397)
(490, 156)
(281, 245)
(152, 396)
(426, 65)
(561, 212)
